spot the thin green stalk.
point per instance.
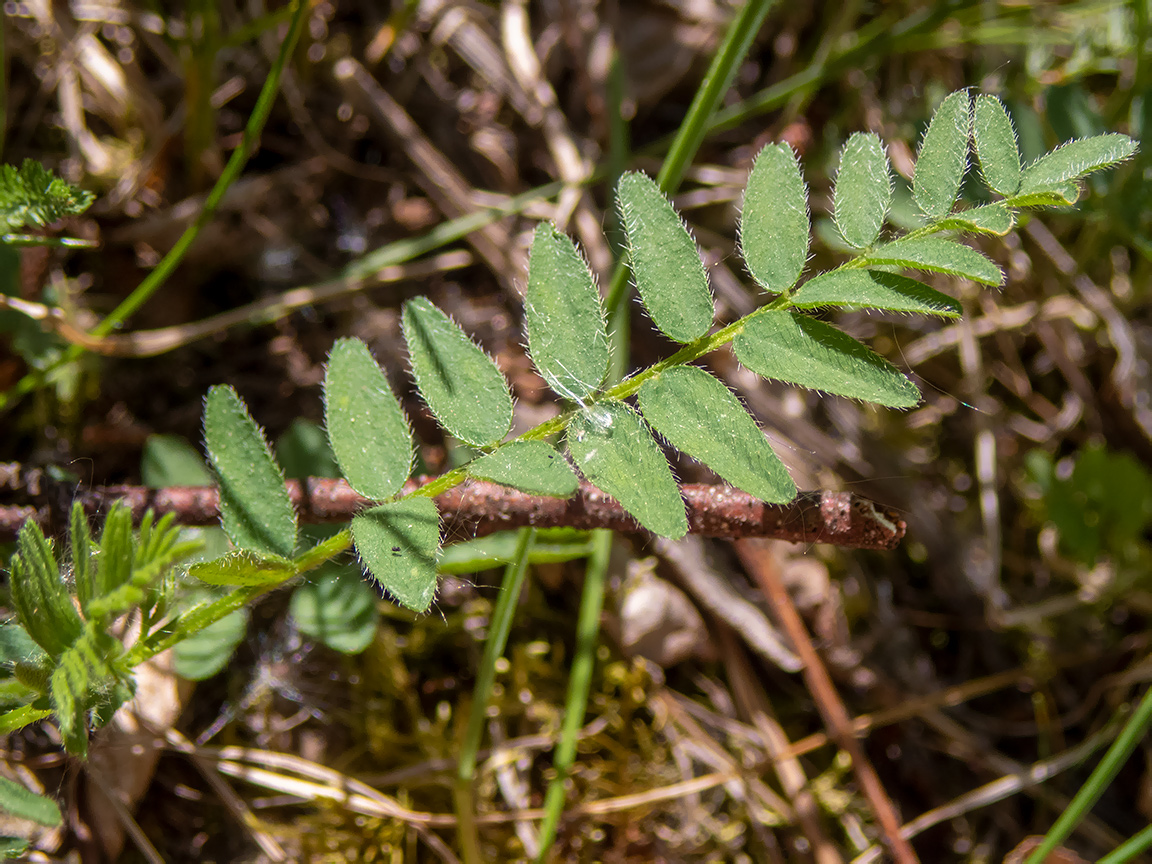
(1131, 735)
(579, 685)
(498, 630)
(1130, 848)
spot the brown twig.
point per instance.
(479, 508)
(832, 710)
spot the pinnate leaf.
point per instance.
(943, 156)
(874, 289)
(996, 147)
(863, 190)
(774, 225)
(254, 506)
(797, 349)
(398, 542)
(460, 383)
(613, 448)
(534, 467)
(665, 262)
(366, 425)
(1075, 159)
(567, 336)
(699, 415)
(937, 255)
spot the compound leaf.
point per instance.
(996, 147)
(943, 156)
(460, 383)
(534, 467)
(366, 425)
(33, 195)
(399, 542)
(937, 255)
(874, 289)
(613, 448)
(254, 506)
(699, 415)
(567, 336)
(863, 190)
(774, 225)
(800, 350)
(1075, 159)
(665, 262)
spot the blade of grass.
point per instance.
(498, 629)
(1131, 735)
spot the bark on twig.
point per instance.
(475, 509)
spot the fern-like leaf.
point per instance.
(31, 195)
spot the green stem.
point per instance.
(1131, 735)
(579, 685)
(498, 630)
(1130, 848)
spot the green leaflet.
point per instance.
(398, 542)
(774, 224)
(936, 255)
(338, 608)
(1060, 195)
(254, 505)
(365, 423)
(567, 336)
(20, 801)
(460, 383)
(800, 350)
(534, 467)
(206, 651)
(874, 289)
(994, 219)
(242, 567)
(83, 573)
(1075, 159)
(39, 597)
(863, 190)
(665, 261)
(943, 156)
(117, 552)
(996, 147)
(613, 448)
(699, 415)
(169, 460)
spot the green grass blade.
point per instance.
(996, 146)
(874, 289)
(863, 190)
(800, 350)
(665, 262)
(535, 467)
(613, 448)
(774, 225)
(460, 383)
(398, 542)
(943, 156)
(366, 425)
(700, 416)
(254, 506)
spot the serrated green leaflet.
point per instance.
(665, 262)
(943, 156)
(874, 289)
(937, 255)
(563, 315)
(615, 451)
(1075, 159)
(996, 146)
(254, 506)
(460, 383)
(398, 542)
(994, 219)
(774, 224)
(531, 466)
(863, 190)
(700, 416)
(20, 801)
(800, 350)
(242, 567)
(365, 423)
